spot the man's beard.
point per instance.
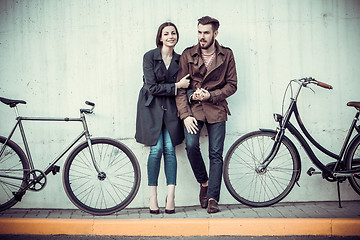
(208, 44)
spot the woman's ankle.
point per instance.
(170, 198)
(153, 202)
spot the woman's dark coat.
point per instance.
(156, 104)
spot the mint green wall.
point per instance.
(57, 54)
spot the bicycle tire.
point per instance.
(13, 163)
(353, 161)
(254, 188)
(88, 191)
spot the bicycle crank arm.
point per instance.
(312, 171)
(345, 174)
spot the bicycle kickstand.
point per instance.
(338, 189)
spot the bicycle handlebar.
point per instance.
(324, 85)
(308, 80)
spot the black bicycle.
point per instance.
(261, 167)
(101, 175)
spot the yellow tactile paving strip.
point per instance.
(183, 227)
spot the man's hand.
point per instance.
(191, 125)
(201, 94)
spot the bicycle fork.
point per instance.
(101, 175)
(275, 149)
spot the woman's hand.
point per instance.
(184, 82)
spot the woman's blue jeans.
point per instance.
(164, 147)
(216, 132)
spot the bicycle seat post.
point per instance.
(16, 112)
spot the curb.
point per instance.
(183, 227)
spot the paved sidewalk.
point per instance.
(350, 209)
(282, 219)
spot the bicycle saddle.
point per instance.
(10, 102)
(354, 104)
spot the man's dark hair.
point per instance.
(209, 20)
(161, 27)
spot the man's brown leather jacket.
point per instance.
(219, 79)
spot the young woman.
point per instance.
(157, 122)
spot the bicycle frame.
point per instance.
(49, 169)
(284, 123)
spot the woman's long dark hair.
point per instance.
(162, 26)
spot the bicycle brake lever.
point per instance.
(311, 89)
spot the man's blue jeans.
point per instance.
(164, 147)
(216, 132)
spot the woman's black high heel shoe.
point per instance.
(155, 211)
(172, 211)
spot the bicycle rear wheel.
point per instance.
(106, 192)
(14, 168)
(257, 188)
(352, 162)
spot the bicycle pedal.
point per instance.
(55, 169)
(312, 171)
(18, 195)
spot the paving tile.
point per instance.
(351, 209)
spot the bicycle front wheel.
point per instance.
(352, 162)
(242, 175)
(14, 168)
(109, 190)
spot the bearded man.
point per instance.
(212, 79)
